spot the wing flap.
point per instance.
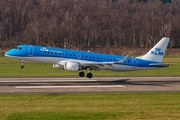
(102, 64)
(96, 64)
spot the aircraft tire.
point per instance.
(89, 75)
(22, 66)
(81, 74)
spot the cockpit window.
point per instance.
(18, 48)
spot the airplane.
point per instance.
(75, 60)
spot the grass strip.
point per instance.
(11, 68)
(145, 105)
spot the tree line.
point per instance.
(78, 24)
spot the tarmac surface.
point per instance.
(96, 84)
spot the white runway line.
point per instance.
(87, 86)
(24, 81)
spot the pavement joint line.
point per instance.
(78, 86)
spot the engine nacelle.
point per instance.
(72, 66)
(58, 66)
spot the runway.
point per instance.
(97, 84)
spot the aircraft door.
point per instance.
(134, 63)
(30, 50)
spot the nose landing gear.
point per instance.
(22, 62)
(22, 66)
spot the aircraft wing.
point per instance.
(97, 65)
(92, 64)
(159, 65)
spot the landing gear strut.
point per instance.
(89, 74)
(22, 62)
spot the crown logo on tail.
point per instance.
(158, 49)
(157, 52)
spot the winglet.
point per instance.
(123, 59)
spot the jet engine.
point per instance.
(58, 66)
(72, 66)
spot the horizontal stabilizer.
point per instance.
(159, 65)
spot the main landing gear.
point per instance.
(89, 74)
(81, 74)
(22, 64)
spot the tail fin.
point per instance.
(158, 51)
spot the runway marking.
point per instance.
(23, 81)
(87, 86)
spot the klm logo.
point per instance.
(157, 51)
(44, 49)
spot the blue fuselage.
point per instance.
(55, 55)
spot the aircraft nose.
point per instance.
(8, 53)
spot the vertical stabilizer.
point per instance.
(158, 51)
